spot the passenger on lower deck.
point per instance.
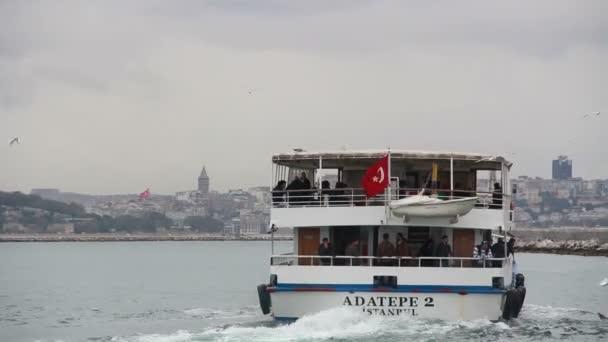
(353, 250)
(427, 250)
(498, 251)
(325, 249)
(482, 252)
(511, 247)
(386, 249)
(444, 250)
(402, 250)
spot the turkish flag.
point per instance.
(376, 178)
(144, 195)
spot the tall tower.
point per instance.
(203, 183)
(562, 168)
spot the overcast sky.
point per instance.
(117, 96)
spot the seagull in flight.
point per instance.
(591, 114)
(14, 141)
(604, 282)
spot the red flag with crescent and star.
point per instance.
(376, 178)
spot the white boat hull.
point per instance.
(450, 208)
(445, 306)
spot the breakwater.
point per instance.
(134, 237)
(574, 240)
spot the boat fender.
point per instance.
(515, 299)
(264, 297)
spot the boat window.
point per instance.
(385, 281)
(418, 235)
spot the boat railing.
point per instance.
(344, 260)
(353, 197)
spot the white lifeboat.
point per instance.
(425, 206)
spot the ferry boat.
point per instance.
(424, 197)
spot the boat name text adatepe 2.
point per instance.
(389, 305)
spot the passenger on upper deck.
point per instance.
(293, 195)
(497, 196)
(305, 182)
(325, 249)
(340, 196)
(325, 192)
(278, 192)
(386, 249)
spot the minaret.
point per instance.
(203, 183)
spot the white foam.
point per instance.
(179, 336)
(339, 323)
(532, 311)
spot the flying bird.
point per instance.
(604, 282)
(14, 141)
(591, 114)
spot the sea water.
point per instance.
(206, 291)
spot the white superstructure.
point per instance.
(406, 283)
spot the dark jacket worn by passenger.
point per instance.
(444, 250)
(325, 251)
(497, 198)
(498, 249)
(277, 194)
(293, 194)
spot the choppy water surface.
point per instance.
(205, 291)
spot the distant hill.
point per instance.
(20, 200)
(34, 214)
(86, 200)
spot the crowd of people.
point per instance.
(388, 253)
(301, 192)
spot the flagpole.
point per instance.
(389, 187)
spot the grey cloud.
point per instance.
(142, 93)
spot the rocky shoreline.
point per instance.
(572, 247)
(132, 237)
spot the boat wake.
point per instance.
(341, 324)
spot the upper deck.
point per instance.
(335, 198)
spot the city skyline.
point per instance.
(145, 100)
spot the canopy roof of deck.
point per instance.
(340, 159)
